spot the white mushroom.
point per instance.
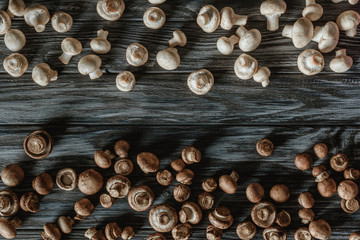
(101, 44)
(15, 64)
(5, 22)
(310, 62)
(226, 45)
(136, 54)
(42, 74)
(327, 37)
(348, 22)
(229, 18)
(90, 65)
(201, 81)
(61, 22)
(179, 39)
(272, 9)
(110, 10)
(341, 63)
(249, 39)
(70, 48)
(262, 76)
(156, 1)
(37, 16)
(352, 2)
(125, 81)
(16, 8)
(168, 59)
(301, 32)
(14, 40)
(154, 18)
(312, 11)
(208, 18)
(245, 66)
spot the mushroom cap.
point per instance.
(37, 16)
(265, 147)
(213, 233)
(350, 206)
(38, 144)
(121, 148)
(90, 182)
(329, 37)
(156, 1)
(154, 18)
(246, 230)
(106, 200)
(61, 22)
(263, 214)
(272, 7)
(320, 229)
(250, 40)
(320, 150)
(339, 162)
(191, 155)
(43, 183)
(178, 165)
(141, 198)
(303, 161)
(221, 217)
(163, 218)
(183, 231)
(66, 179)
(42, 74)
(348, 20)
(51, 232)
(355, 236)
(29, 202)
(262, 76)
(208, 18)
(123, 167)
(148, 162)
(280, 193)
(65, 224)
(71, 46)
(89, 64)
(83, 208)
(168, 59)
(245, 66)
(310, 62)
(206, 200)
(103, 159)
(128, 232)
(17, 7)
(5, 22)
(100, 45)
(136, 54)
(110, 10)
(226, 45)
(228, 184)
(112, 231)
(7, 230)
(12, 175)
(15, 64)
(125, 81)
(228, 18)
(255, 192)
(306, 200)
(320, 173)
(179, 39)
(351, 174)
(302, 33)
(156, 236)
(9, 203)
(327, 187)
(274, 233)
(14, 40)
(302, 233)
(181, 192)
(313, 12)
(348, 190)
(164, 177)
(190, 212)
(118, 186)
(283, 219)
(209, 185)
(341, 63)
(201, 81)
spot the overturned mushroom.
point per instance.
(118, 186)
(136, 54)
(213, 233)
(66, 179)
(94, 234)
(112, 231)
(229, 18)
(302, 234)
(125, 81)
(327, 37)
(209, 185)
(342, 62)
(310, 62)
(156, 236)
(14, 40)
(339, 162)
(156, 1)
(83, 209)
(16, 8)
(221, 218)
(208, 18)
(90, 65)
(273, 9)
(106, 200)
(179, 39)
(225, 45)
(141, 198)
(352, 174)
(246, 230)
(350, 206)
(183, 231)
(312, 11)
(15, 64)
(191, 155)
(283, 219)
(124, 167)
(168, 59)
(148, 162)
(100, 44)
(163, 218)
(201, 81)
(274, 233)
(61, 22)
(263, 214)
(181, 193)
(70, 47)
(164, 177)
(8, 227)
(12, 175)
(206, 200)
(245, 66)
(154, 18)
(37, 16)
(42, 74)
(110, 10)
(5, 22)
(29, 202)
(320, 229)
(128, 233)
(306, 215)
(228, 183)
(262, 76)
(348, 22)
(43, 184)
(249, 39)
(355, 236)
(190, 212)
(51, 231)
(38, 144)
(65, 224)
(265, 147)
(90, 182)
(9, 203)
(301, 32)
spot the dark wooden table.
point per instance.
(162, 116)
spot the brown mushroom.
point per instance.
(185, 176)
(350, 206)
(352, 174)
(156, 236)
(12, 175)
(124, 167)
(303, 161)
(265, 147)
(246, 230)
(112, 231)
(51, 231)
(38, 144)
(9, 203)
(121, 148)
(118, 186)
(280, 193)
(37, 16)
(339, 162)
(209, 185)
(94, 234)
(103, 158)
(29, 202)
(274, 233)
(263, 214)
(164, 177)
(355, 236)
(141, 198)
(306, 215)
(163, 218)
(190, 213)
(61, 22)
(83, 209)
(90, 182)
(208, 18)
(148, 162)
(128, 233)
(348, 190)
(110, 10)
(183, 231)
(136, 54)
(178, 165)
(283, 219)
(181, 193)
(213, 233)
(302, 234)
(255, 192)
(228, 184)
(221, 218)
(206, 200)
(8, 227)
(320, 150)
(320, 229)
(66, 179)
(319, 172)
(191, 155)
(306, 200)
(65, 224)
(43, 184)
(327, 187)
(106, 200)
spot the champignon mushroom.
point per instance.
(213, 233)
(301, 32)
(16, 8)
(136, 54)
(327, 187)
(83, 209)
(355, 236)
(51, 231)
(263, 214)
(156, 1)
(66, 179)
(190, 213)
(225, 45)
(121, 148)
(341, 63)
(128, 233)
(106, 200)
(206, 200)
(272, 9)
(312, 11)
(118, 186)
(320, 229)
(221, 218)
(246, 230)
(15, 64)
(191, 155)
(110, 10)
(43, 184)
(168, 59)
(229, 18)
(348, 22)
(94, 234)
(302, 234)
(306, 215)
(178, 165)
(208, 18)
(156, 236)
(38, 144)
(265, 147)
(319, 172)
(327, 37)
(209, 185)
(348, 190)
(283, 219)
(90, 65)
(90, 182)
(103, 158)
(65, 224)
(352, 2)
(274, 233)
(42, 74)
(164, 177)
(249, 39)
(8, 227)
(141, 198)
(125, 81)
(181, 193)
(339, 162)
(112, 231)
(280, 193)
(262, 76)
(245, 66)
(100, 44)
(37, 16)
(306, 200)
(163, 218)
(14, 40)
(321, 150)
(201, 81)
(5, 22)
(183, 231)
(350, 206)
(70, 47)
(228, 184)
(154, 18)
(148, 162)
(310, 62)
(29, 202)
(9, 203)
(303, 161)
(12, 175)
(179, 39)
(123, 167)
(255, 192)
(61, 22)
(351, 174)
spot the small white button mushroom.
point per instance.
(229, 18)
(90, 65)
(208, 18)
(5, 22)
(262, 76)
(156, 1)
(15, 64)
(61, 22)
(273, 9)
(179, 39)
(226, 45)
(310, 62)
(301, 32)
(136, 54)
(154, 18)
(168, 59)
(312, 11)
(125, 81)
(352, 2)
(201, 81)
(110, 10)
(249, 39)
(42, 74)
(341, 63)
(37, 16)
(16, 8)
(245, 66)
(14, 40)
(101, 44)
(70, 48)
(327, 37)
(348, 22)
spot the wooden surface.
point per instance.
(162, 115)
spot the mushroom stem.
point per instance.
(54, 75)
(309, 2)
(185, 214)
(203, 18)
(288, 31)
(318, 32)
(273, 22)
(38, 24)
(240, 20)
(351, 32)
(65, 58)
(96, 74)
(4, 203)
(241, 31)
(234, 176)
(340, 53)
(234, 39)
(102, 34)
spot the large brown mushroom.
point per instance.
(246, 230)
(90, 182)
(190, 212)
(191, 155)
(8, 227)
(320, 229)
(163, 218)
(9, 203)
(43, 184)
(66, 179)
(263, 214)
(183, 231)
(141, 198)
(148, 162)
(228, 183)
(38, 144)
(29, 202)
(51, 232)
(12, 175)
(118, 186)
